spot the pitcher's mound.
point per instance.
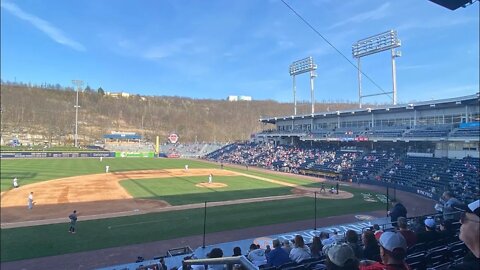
(211, 185)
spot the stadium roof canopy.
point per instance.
(438, 104)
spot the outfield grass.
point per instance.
(40, 241)
(30, 171)
(182, 190)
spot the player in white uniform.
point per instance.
(210, 178)
(30, 201)
(186, 167)
(15, 183)
(107, 168)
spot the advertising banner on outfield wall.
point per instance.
(56, 154)
(134, 154)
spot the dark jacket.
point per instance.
(428, 236)
(469, 262)
(372, 253)
(277, 257)
(398, 211)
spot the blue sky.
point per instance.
(216, 48)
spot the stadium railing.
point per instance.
(228, 261)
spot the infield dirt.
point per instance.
(101, 195)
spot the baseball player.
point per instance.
(73, 221)
(186, 167)
(210, 178)
(101, 159)
(30, 201)
(107, 168)
(15, 183)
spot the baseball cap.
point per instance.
(430, 222)
(340, 254)
(473, 208)
(393, 242)
(377, 234)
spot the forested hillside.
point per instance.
(48, 114)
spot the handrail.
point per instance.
(434, 216)
(229, 261)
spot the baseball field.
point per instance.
(143, 200)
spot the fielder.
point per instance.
(107, 168)
(186, 167)
(30, 201)
(101, 158)
(210, 178)
(15, 183)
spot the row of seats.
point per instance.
(427, 173)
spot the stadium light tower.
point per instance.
(78, 84)
(299, 67)
(378, 43)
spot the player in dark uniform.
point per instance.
(73, 221)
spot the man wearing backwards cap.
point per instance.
(393, 250)
(470, 235)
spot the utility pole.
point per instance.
(78, 84)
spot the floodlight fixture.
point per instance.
(302, 66)
(299, 67)
(378, 43)
(375, 44)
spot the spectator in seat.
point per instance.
(326, 239)
(393, 251)
(215, 253)
(184, 265)
(341, 257)
(237, 251)
(450, 205)
(351, 238)
(398, 210)
(409, 235)
(257, 255)
(430, 233)
(300, 252)
(470, 235)
(447, 229)
(371, 250)
(278, 255)
(286, 246)
(316, 247)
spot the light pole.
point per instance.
(299, 67)
(378, 43)
(79, 84)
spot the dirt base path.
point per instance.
(101, 196)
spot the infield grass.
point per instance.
(183, 190)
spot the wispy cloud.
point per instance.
(375, 14)
(54, 33)
(174, 47)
